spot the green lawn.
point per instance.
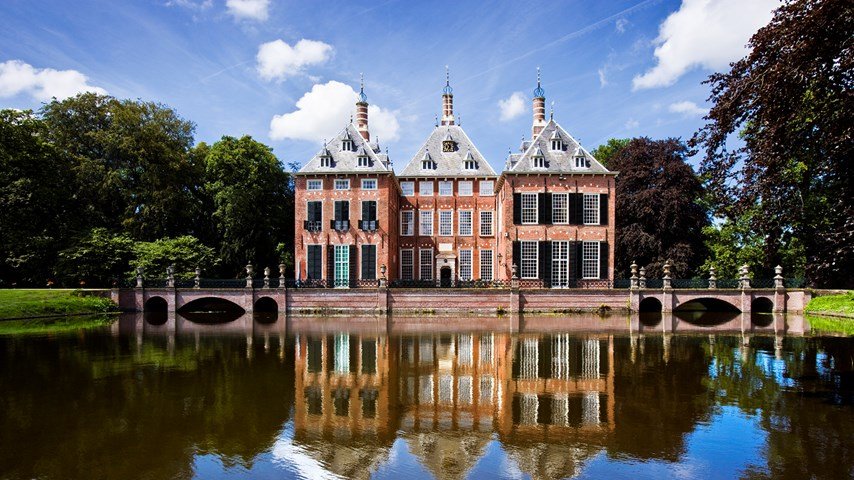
(841, 304)
(54, 325)
(820, 324)
(22, 303)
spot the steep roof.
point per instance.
(557, 161)
(346, 161)
(448, 164)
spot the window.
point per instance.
(487, 188)
(464, 188)
(486, 265)
(446, 188)
(560, 264)
(326, 161)
(314, 216)
(314, 185)
(364, 161)
(369, 262)
(425, 264)
(408, 188)
(407, 222)
(369, 184)
(465, 223)
(406, 258)
(560, 208)
(342, 184)
(314, 262)
(590, 260)
(425, 189)
(347, 145)
(465, 265)
(342, 265)
(446, 223)
(469, 165)
(368, 221)
(486, 223)
(529, 208)
(557, 145)
(428, 165)
(591, 209)
(342, 216)
(581, 162)
(530, 259)
(539, 161)
(426, 222)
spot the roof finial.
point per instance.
(436, 124)
(447, 90)
(552, 111)
(539, 92)
(362, 97)
(460, 120)
(351, 118)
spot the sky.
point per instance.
(287, 73)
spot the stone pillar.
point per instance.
(197, 283)
(248, 275)
(170, 276)
(666, 280)
(667, 291)
(515, 301)
(282, 280)
(642, 279)
(634, 292)
(713, 281)
(779, 290)
(138, 277)
(744, 281)
(744, 284)
(266, 277)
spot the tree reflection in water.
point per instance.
(178, 399)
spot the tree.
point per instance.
(791, 99)
(96, 258)
(252, 202)
(603, 153)
(659, 214)
(184, 253)
(34, 200)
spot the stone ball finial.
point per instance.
(778, 270)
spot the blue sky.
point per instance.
(612, 68)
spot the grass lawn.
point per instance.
(54, 325)
(819, 324)
(23, 303)
(841, 304)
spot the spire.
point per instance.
(539, 107)
(362, 111)
(552, 111)
(539, 92)
(447, 100)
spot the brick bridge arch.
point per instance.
(175, 299)
(765, 300)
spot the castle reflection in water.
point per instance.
(446, 394)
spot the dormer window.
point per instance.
(581, 162)
(470, 165)
(325, 157)
(347, 145)
(364, 161)
(427, 162)
(557, 145)
(539, 161)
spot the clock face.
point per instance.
(448, 147)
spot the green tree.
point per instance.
(659, 212)
(252, 202)
(184, 253)
(34, 200)
(96, 258)
(603, 153)
(791, 100)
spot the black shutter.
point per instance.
(603, 260)
(544, 203)
(372, 205)
(517, 208)
(545, 259)
(579, 209)
(315, 211)
(330, 266)
(603, 209)
(369, 262)
(353, 265)
(575, 260)
(314, 269)
(338, 211)
(570, 209)
(517, 256)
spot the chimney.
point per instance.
(539, 106)
(447, 100)
(362, 111)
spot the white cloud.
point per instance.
(277, 60)
(621, 25)
(42, 84)
(249, 9)
(704, 33)
(322, 112)
(603, 79)
(191, 4)
(512, 106)
(632, 124)
(687, 109)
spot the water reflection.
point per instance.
(301, 397)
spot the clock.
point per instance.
(448, 146)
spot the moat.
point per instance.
(271, 396)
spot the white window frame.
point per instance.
(486, 264)
(425, 268)
(342, 184)
(314, 184)
(446, 188)
(363, 161)
(410, 231)
(465, 229)
(347, 145)
(466, 264)
(326, 162)
(423, 190)
(581, 162)
(538, 162)
(367, 182)
(557, 145)
(407, 188)
(529, 267)
(341, 257)
(486, 188)
(560, 213)
(591, 208)
(465, 188)
(469, 165)
(425, 223)
(403, 263)
(446, 223)
(487, 219)
(590, 260)
(560, 264)
(528, 209)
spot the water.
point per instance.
(301, 398)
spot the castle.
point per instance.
(447, 218)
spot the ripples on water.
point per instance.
(305, 398)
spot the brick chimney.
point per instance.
(362, 111)
(539, 106)
(447, 100)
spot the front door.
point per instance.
(342, 265)
(445, 276)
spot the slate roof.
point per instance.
(448, 164)
(344, 161)
(557, 161)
